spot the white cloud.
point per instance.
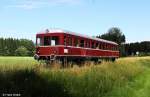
(31, 4)
(67, 1)
(12, 33)
(27, 4)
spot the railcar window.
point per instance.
(87, 44)
(93, 45)
(107, 46)
(104, 46)
(97, 45)
(82, 43)
(113, 47)
(39, 41)
(65, 40)
(70, 41)
(76, 42)
(54, 40)
(100, 46)
(116, 48)
(47, 40)
(110, 47)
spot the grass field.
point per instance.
(127, 77)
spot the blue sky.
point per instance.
(24, 18)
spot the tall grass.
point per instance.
(86, 81)
(13, 63)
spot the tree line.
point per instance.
(126, 49)
(141, 48)
(16, 47)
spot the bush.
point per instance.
(144, 54)
(21, 51)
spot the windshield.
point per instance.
(39, 41)
(54, 40)
(48, 41)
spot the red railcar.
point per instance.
(65, 45)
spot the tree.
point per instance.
(142, 47)
(114, 34)
(29, 45)
(1, 46)
(21, 51)
(8, 46)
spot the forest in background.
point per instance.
(140, 48)
(16, 47)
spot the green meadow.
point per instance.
(126, 77)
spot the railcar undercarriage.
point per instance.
(65, 60)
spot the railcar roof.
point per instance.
(74, 33)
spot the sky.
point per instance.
(24, 18)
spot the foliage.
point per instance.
(87, 81)
(142, 47)
(113, 34)
(8, 46)
(21, 51)
(28, 44)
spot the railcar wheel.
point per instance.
(113, 59)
